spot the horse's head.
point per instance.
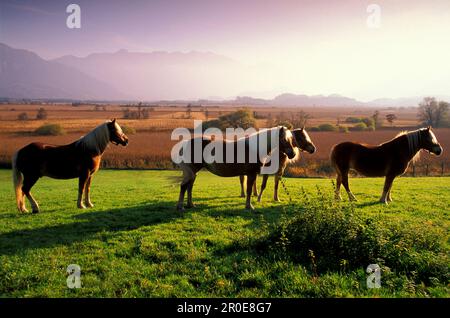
(116, 135)
(429, 142)
(287, 142)
(302, 140)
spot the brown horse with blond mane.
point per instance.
(248, 167)
(389, 159)
(302, 143)
(80, 159)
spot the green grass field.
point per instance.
(134, 244)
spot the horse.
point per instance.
(80, 159)
(302, 142)
(247, 167)
(389, 159)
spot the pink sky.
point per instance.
(300, 46)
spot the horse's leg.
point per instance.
(87, 190)
(242, 180)
(251, 178)
(190, 204)
(188, 176)
(387, 188)
(263, 186)
(82, 180)
(255, 191)
(277, 179)
(337, 193)
(351, 196)
(28, 183)
(389, 198)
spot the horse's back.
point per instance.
(367, 159)
(60, 162)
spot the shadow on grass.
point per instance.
(370, 203)
(85, 226)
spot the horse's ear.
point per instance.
(429, 128)
(113, 120)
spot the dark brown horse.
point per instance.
(389, 159)
(302, 142)
(80, 159)
(246, 166)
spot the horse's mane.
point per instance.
(413, 138)
(96, 140)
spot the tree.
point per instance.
(390, 118)
(301, 119)
(139, 110)
(242, 118)
(41, 114)
(189, 111)
(433, 113)
(377, 121)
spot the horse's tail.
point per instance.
(17, 181)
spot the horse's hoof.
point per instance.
(89, 205)
(250, 208)
(276, 200)
(81, 206)
(242, 195)
(190, 206)
(35, 211)
(180, 208)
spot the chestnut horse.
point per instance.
(80, 159)
(389, 159)
(235, 168)
(302, 142)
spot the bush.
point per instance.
(242, 118)
(50, 130)
(41, 114)
(343, 129)
(22, 116)
(334, 234)
(353, 120)
(327, 127)
(359, 127)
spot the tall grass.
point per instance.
(329, 236)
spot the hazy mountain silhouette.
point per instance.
(150, 76)
(23, 74)
(161, 75)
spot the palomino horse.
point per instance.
(247, 167)
(80, 159)
(302, 142)
(389, 159)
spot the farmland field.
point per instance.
(134, 244)
(150, 144)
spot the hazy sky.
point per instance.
(302, 46)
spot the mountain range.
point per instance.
(154, 76)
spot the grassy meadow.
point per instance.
(134, 243)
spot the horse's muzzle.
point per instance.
(311, 149)
(438, 151)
